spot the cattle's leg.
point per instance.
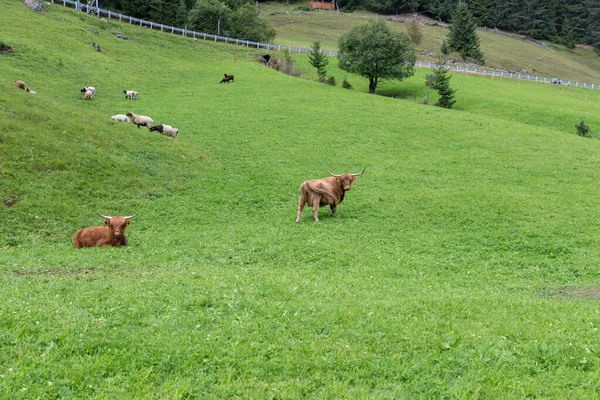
(315, 208)
(333, 208)
(300, 207)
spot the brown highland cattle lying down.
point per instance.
(327, 191)
(113, 234)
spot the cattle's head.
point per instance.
(117, 225)
(346, 180)
(129, 114)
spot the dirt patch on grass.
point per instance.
(56, 272)
(577, 293)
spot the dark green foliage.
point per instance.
(583, 130)
(248, 25)
(444, 48)
(565, 22)
(375, 52)
(205, 16)
(462, 36)
(318, 60)
(331, 81)
(346, 84)
(439, 80)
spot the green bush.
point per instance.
(582, 129)
(346, 84)
(330, 81)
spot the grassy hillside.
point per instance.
(461, 265)
(501, 52)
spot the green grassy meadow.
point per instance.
(462, 264)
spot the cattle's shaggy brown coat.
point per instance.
(113, 234)
(327, 191)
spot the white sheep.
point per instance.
(131, 94)
(88, 95)
(120, 118)
(140, 120)
(28, 90)
(90, 88)
(166, 130)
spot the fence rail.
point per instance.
(83, 7)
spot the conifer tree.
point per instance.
(318, 60)
(463, 36)
(439, 81)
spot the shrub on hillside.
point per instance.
(346, 84)
(5, 49)
(583, 130)
(331, 81)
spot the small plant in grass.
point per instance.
(331, 81)
(414, 31)
(5, 49)
(583, 130)
(444, 48)
(439, 81)
(288, 64)
(318, 60)
(346, 84)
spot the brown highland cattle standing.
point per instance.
(327, 191)
(20, 85)
(113, 234)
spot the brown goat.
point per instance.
(227, 78)
(20, 85)
(113, 234)
(327, 191)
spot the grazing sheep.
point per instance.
(140, 120)
(130, 94)
(20, 85)
(165, 130)
(227, 78)
(120, 118)
(90, 88)
(88, 95)
(28, 90)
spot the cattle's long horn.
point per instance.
(131, 216)
(359, 173)
(104, 216)
(331, 173)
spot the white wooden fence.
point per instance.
(84, 7)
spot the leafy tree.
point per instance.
(414, 31)
(462, 36)
(439, 80)
(319, 60)
(248, 25)
(205, 16)
(376, 52)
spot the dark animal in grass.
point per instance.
(327, 191)
(165, 130)
(20, 85)
(113, 234)
(227, 78)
